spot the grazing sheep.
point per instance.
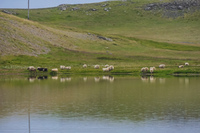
(144, 69)
(42, 69)
(152, 69)
(106, 69)
(54, 70)
(162, 66)
(106, 65)
(96, 66)
(45, 69)
(84, 66)
(62, 67)
(31, 68)
(181, 66)
(187, 64)
(111, 67)
(68, 67)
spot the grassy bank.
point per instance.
(136, 38)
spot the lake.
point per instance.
(100, 104)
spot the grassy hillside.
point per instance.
(123, 34)
(127, 18)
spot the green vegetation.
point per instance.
(70, 37)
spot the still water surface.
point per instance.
(99, 104)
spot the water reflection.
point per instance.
(127, 104)
(162, 80)
(152, 79)
(68, 79)
(33, 78)
(85, 79)
(96, 79)
(54, 77)
(109, 78)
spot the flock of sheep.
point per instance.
(152, 69)
(106, 68)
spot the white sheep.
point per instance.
(62, 67)
(31, 68)
(144, 69)
(152, 69)
(111, 67)
(106, 69)
(68, 67)
(186, 63)
(162, 66)
(84, 66)
(181, 66)
(54, 70)
(106, 65)
(96, 66)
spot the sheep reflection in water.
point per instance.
(68, 79)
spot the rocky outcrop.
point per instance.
(105, 38)
(9, 12)
(175, 8)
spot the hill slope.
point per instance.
(176, 22)
(126, 36)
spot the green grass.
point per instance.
(140, 38)
(127, 18)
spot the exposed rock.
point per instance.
(104, 5)
(175, 8)
(9, 12)
(107, 9)
(63, 7)
(93, 9)
(105, 38)
(75, 8)
(176, 5)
